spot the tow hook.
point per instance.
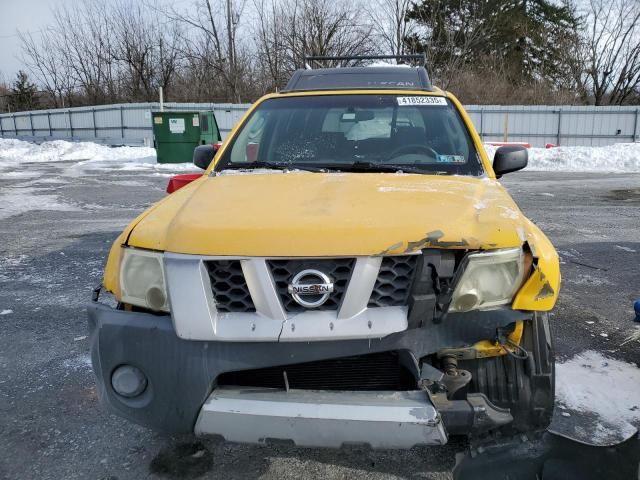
(472, 412)
(454, 379)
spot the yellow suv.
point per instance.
(347, 270)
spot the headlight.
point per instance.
(488, 279)
(142, 280)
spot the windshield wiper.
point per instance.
(344, 167)
(382, 167)
(272, 166)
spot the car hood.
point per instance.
(270, 213)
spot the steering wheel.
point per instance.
(411, 148)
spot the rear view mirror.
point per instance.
(357, 116)
(509, 159)
(203, 155)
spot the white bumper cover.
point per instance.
(322, 418)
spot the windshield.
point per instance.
(422, 134)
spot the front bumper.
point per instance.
(182, 373)
(322, 419)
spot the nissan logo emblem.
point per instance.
(314, 285)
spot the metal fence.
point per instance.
(122, 124)
(130, 124)
(559, 125)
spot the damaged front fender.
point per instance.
(540, 291)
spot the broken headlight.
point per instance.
(142, 279)
(488, 279)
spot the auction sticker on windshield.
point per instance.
(421, 101)
(451, 159)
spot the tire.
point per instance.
(526, 387)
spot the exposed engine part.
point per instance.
(431, 286)
(430, 373)
(449, 365)
(430, 378)
(474, 414)
(371, 372)
(527, 387)
(511, 348)
(454, 379)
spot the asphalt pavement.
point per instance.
(56, 227)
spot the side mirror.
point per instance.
(509, 159)
(203, 155)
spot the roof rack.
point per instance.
(374, 77)
(420, 57)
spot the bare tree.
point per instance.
(390, 21)
(123, 50)
(212, 42)
(85, 39)
(271, 44)
(613, 49)
(325, 28)
(571, 79)
(147, 48)
(50, 66)
(74, 52)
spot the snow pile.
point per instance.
(13, 150)
(591, 382)
(618, 158)
(85, 155)
(621, 157)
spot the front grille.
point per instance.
(393, 285)
(371, 372)
(338, 269)
(229, 288)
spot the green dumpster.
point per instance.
(175, 135)
(209, 131)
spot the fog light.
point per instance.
(128, 381)
(156, 298)
(467, 301)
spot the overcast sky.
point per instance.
(32, 16)
(26, 16)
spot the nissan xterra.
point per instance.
(348, 269)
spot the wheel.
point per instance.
(526, 387)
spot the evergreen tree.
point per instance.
(528, 38)
(535, 34)
(23, 93)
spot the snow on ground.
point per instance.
(622, 157)
(592, 383)
(14, 201)
(618, 158)
(33, 163)
(83, 155)
(79, 362)
(44, 165)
